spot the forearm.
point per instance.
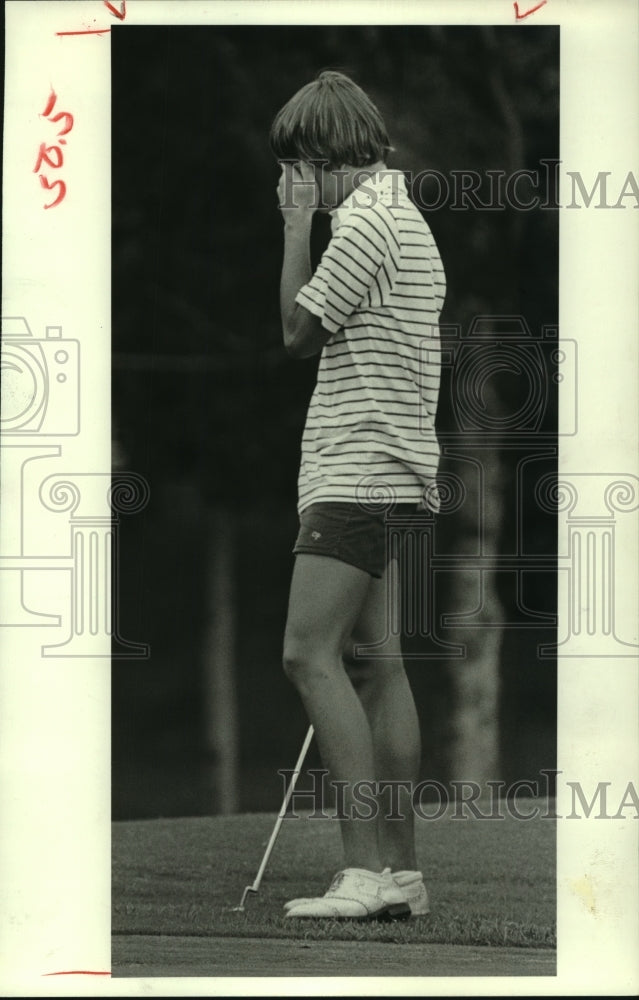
(303, 332)
(296, 268)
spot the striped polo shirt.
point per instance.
(379, 289)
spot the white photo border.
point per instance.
(54, 713)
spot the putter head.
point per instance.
(240, 908)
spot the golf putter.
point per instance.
(276, 829)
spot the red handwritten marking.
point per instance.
(121, 13)
(532, 10)
(68, 117)
(43, 156)
(77, 972)
(49, 187)
(95, 31)
(50, 104)
(52, 156)
(61, 114)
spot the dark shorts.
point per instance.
(349, 532)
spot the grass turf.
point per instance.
(490, 882)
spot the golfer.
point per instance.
(371, 309)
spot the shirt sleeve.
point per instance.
(357, 269)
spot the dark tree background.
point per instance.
(207, 406)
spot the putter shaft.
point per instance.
(276, 829)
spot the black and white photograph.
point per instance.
(368, 198)
(321, 543)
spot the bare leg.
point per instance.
(382, 686)
(326, 599)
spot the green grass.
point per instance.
(490, 882)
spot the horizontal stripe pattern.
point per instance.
(379, 290)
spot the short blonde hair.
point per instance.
(330, 120)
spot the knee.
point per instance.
(309, 661)
(298, 659)
(292, 659)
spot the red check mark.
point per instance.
(121, 13)
(519, 16)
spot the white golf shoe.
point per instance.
(355, 894)
(410, 883)
(415, 894)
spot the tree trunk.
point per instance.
(473, 751)
(219, 666)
